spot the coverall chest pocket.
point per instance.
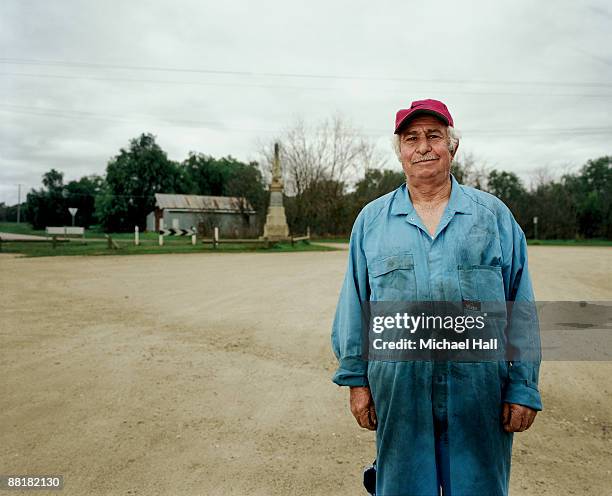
(482, 292)
(392, 278)
(481, 283)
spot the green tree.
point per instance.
(206, 176)
(226, 176)
(8, 213)
(554, 206)
(47, 206)
(591, 189)
(376, 183)
(323, 207)
(132, 179)
(326, 208)
(508, 187)
(246, 181)
(81, 194)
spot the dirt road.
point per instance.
(210, 374)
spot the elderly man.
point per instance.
(441, 426)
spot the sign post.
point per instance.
(73, 212)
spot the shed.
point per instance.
(234, 216)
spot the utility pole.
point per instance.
(18, 203)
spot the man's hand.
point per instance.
(362, 407)
(517, 418)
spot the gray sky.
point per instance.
(529, 84)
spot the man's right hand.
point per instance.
(362, 407)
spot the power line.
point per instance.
(218, 126)
(277, 86)
(163, 81)
(243, 73)
(135, 118)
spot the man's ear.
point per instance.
(455, 152)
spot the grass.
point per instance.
(99, 248)
(95, 244)
(545, 242)
(22, 228)
(570, 242)
(97, 232)
(182, 245)
(331, 240)
(93, 233)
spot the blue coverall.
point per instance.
(439, 423)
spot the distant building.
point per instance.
(234, 216)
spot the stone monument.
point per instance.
(276, 228)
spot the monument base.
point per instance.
(276, 228)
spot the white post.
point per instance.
(216, 237)
(161, 228)
(136, 236)
(193, 236)
(18, 203)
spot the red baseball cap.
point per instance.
(431, 107)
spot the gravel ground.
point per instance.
(210, 374)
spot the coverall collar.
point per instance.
(458, 201)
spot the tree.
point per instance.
(81, 194)
(592, 191)
(8, 213)
(319, 163)
(246, 181)
(375, 183)
(226, 176)
(508, 187)
(554, 206)
(331, 149)
(204, 174)
(47, 206)
(132, 179)
(577, 205)
(332, 213)
(468, 171)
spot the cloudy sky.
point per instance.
(529, 83)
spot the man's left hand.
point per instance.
(517, 418)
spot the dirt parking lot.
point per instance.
(209, 374)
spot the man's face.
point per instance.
(424, 149)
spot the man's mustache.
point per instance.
(431, 156)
